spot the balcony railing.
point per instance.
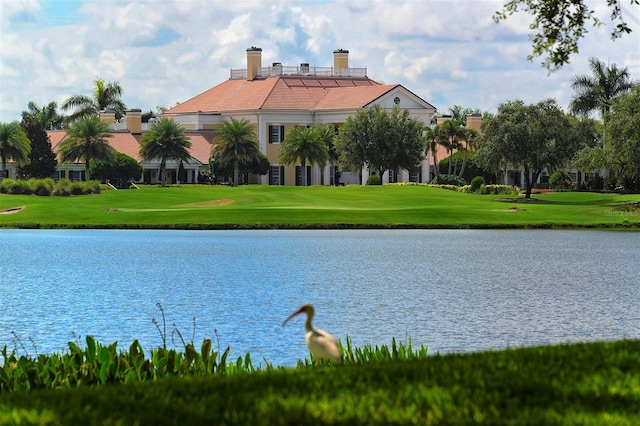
(301, 71)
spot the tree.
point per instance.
(431, 137)
(47, 115)
(14, 144)
(327, 134)
(525, 136)
(303, 145)
(106, 96)
(165, 140)
(87, 140)
(622, 135)
(236, 143)
(559, 25)
(451, 131)
(470, 137)
(124, 170)
(598, 91)
(42, 160)
(380, 140)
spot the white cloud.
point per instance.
(448, 52)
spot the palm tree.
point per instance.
(14, 144)
(87, 140)
(303, 144)
(431, 137)
(165, 140)
(47, 115)
(450, 134)
(236, 142)
(327, 135)
(106, 96)
(470, 139)
(596, 92)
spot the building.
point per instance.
(277, 98)
(274, 99)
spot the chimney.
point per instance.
(134, 121)
(108, 116)
(340, 61)
(474, 121)
(254, 61)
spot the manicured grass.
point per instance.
(588, 384)
(263, 206)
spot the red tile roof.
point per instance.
(129, 144)
(285, 92)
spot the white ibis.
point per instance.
(320, 343)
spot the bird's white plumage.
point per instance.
(320, 343)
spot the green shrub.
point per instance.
(62, 188)
(41, 187)
(560, 179)
(20, 187)
(5, 185)
(93, 187)
(77, 188)
(500, 190)
(374, 180)
(476, 183)
(448, 180)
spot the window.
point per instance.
(299, 175)
(276, 134)
(276, 175)
(393, 176)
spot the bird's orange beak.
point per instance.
(299, 311)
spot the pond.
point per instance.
(450, 290)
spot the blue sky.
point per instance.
(167, 51)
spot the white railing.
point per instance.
(302, 71)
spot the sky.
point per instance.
(163, 52)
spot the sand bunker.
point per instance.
(11, 210)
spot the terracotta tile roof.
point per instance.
(129, 144)
(353, 97)
(232, 95)
(284, 92)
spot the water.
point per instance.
(453, 291)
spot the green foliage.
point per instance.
(533, 137)
(42, 160)
(106, 96)
(447, 179)
(381, 140)
(87, 141)
(14, 145)
(120, 173)
(622, 136)
(236, 144)
(165, 140)
(592, 383)
(559, 25)
(476, 183)
(303, 145)
(560, 179)
(66, 187)
(374, 180)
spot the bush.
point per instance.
(476, 183)
(18, 187)
(374, 180)
(560, 179)
(448, 180)
(63, 188)
(42, 187)
(500, 190)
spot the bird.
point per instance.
(321, 344)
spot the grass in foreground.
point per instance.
(263, 206)
(594, 383)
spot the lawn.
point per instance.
(263, 206)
